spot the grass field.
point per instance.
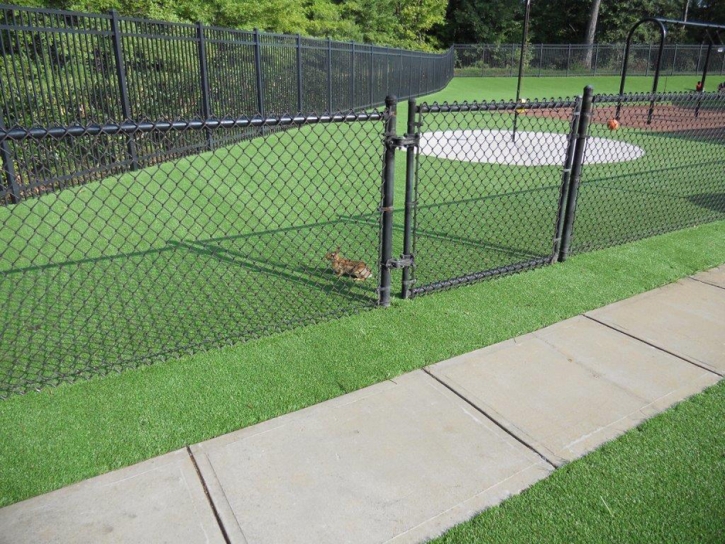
(64, 434)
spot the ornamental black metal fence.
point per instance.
(309, 223)
(63, 68)
(486, 60)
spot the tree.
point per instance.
(591, 31)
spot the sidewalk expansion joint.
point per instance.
(208, 496)
(493, 420)
(707, 283)
(650, 344)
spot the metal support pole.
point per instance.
(258, 69)
(372, 72)
(655, 83)
(649, 60)
(704, 74)
(576, 172)
(300, 104)
(524, 36)
(596, 59)
(541, 56)
(568, 61)
(410, 200)
(11, 182)
(203, 68)
(386, 246)
(329, 75)
(122, 86)
(352, 74)
(566, 178)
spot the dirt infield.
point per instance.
(666, 117)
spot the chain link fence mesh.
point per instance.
(668, 175)
(488, 198)
(190, 253)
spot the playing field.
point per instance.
(229, 245)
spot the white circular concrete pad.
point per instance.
(529, 149)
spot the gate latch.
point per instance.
(403, 262)
(408, 140)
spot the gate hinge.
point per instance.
(403, 262)
(399, 142)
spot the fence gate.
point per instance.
(491, 181)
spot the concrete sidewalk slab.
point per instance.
(161, 500)
(399, 461)
(686, 318)
(570, 387)
(714, 276)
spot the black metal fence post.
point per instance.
(123, 88)
(258, 73)
(352, 74)
(411, 131)
(388, 189)
(203, 68)
(11, 182)
(372, 75)
(576, 172)
(299, 73)
(329, 75)
(566, 178)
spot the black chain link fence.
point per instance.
(489, 60)
(664, 167)
(299, 222)
(191, 253)
(488, 194)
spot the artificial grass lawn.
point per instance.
(661, 482)
(65, 434)
(62, 435)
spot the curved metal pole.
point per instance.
(663, 35)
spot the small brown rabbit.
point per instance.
(355, 269)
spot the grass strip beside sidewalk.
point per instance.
(63, 435)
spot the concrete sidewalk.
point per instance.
(406, 459)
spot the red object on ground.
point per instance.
(698, 87)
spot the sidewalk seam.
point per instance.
(707, 283)
(208, 496)
(493, 420)
(650, 344)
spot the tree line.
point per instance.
(422, 24)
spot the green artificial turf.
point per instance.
(504, 88)
(65, 434)
(188, 282)
(661, 482)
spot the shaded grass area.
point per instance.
(661, 482)
(65, 434)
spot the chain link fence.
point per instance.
(299, 224)
(488, 195)
(667, 174)
(486, 60)
(195, 252)
(64, 68)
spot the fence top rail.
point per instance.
(510, 105)
(132, 127)
(572, 45)
(646, 97)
